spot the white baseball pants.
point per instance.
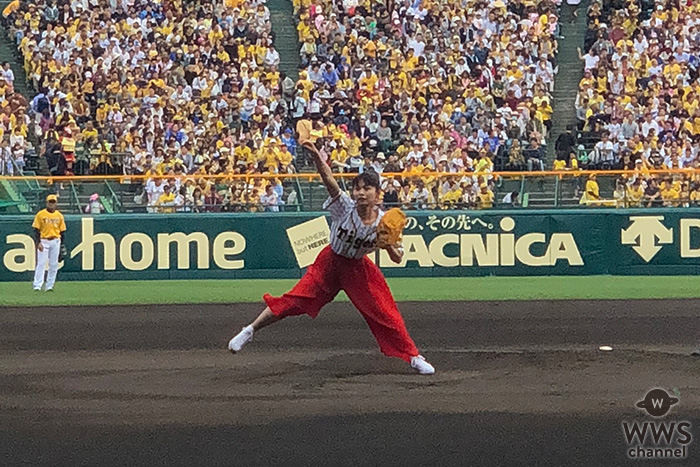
(51, 251)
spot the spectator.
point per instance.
(591, 194)
(620, 194)
(590, 59)
(605, 151)
(516, 160)
(270, 200)
(7, 165)
(391, 195)
(669, 194)
(154, 189)
(198, 200)
(213, 201)
(94, 206)
(565, 143)
(485, 197)
(8, 75)
(511, 199)
(453, 197)
(534, 156)
(180, 201)
(166, 201)
(652, 194)
(419, 199)
(635, 194)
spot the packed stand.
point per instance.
(14, 125)
(448, 86)
(159, 88)
(638, 106)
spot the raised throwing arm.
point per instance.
(323, 169)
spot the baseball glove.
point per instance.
(390, 228)
(62, 253)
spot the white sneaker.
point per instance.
(239, 341)
(424, 368)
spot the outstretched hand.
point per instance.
(395, 251)
(383, 240)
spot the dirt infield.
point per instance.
(518, 383)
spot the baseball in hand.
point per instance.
(304, 128)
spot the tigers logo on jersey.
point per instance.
(350, 237)
(357, 242)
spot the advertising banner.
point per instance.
(441, 243)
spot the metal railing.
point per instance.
(115, 201)
(74, 198)
(220, 207)
(550, 189)
(315, 176)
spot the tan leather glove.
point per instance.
(390, 228)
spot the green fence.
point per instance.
(505, 243)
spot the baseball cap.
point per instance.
(52, 198)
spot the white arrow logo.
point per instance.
(644, 232)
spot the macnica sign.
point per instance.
(490, 249)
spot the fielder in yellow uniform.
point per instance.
(49, 227)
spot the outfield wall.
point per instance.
(444, 243)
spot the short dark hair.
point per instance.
(369, 178)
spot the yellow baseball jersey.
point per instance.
(485, 200)
(49, 224)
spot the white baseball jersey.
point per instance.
(349, 236)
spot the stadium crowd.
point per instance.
(639, 100)
(189, 88)
(167, 88)
(14, 124)
(422, 86)
(192, 87)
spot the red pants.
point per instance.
(366, 287)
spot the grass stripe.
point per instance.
(404, 289)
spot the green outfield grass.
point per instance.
(405, 289)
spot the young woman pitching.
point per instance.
(343, 265)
